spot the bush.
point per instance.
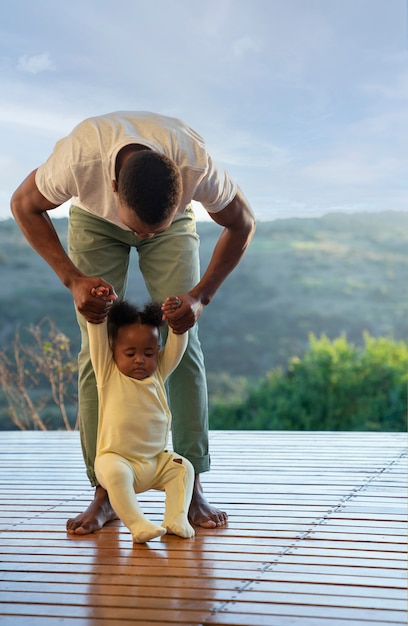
(335, 386)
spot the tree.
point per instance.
(37, 377)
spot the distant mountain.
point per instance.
(338, 274)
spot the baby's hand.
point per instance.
(100, 291)
(170, 306)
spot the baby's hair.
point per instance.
(124, 312)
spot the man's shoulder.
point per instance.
(132, 117)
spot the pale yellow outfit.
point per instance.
(133, 427)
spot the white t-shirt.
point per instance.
(82, 165)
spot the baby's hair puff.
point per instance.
(124, 312)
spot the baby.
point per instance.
(134, 416)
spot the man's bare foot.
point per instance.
(201, 513)
(98, 513)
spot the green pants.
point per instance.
(169, 264)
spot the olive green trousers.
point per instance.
(169, 265)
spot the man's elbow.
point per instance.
(14, 202)
(27, 200)
(237, 218)
(247, 221)
(19, 207)
(18, 201)
(250, 224)
(15, 205)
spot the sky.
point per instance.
(304, 102)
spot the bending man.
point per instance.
(131, 178)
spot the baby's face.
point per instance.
(136, 349)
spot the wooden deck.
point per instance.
(316, 537)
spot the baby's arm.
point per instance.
(175, 346)
(100, 351)
(171, 354)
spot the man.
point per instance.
(131, 178)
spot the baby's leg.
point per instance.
(117, 476)
(177, 479)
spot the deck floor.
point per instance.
(316, 537)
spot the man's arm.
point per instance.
(29, 208)
(238, 223)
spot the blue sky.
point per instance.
(305, 102)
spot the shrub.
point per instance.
(335, 386)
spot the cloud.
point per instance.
(351, 169)
(244, 45)
(304, 103)
(38, 118)
(397, 89)
(36, 63)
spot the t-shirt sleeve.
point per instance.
(216, 189)
(100, 351)
(172, 353)
(55, 179)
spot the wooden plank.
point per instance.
(143, 610)
(34, 554)
(244, 619)
(214, 619)
(223, 591)
(313, 539)
(238, 568)
(59, 604)
(280, 571)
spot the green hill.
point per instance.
(338, 274)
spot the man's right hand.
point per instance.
(93, 307)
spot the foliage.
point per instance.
(228, 389)
(38, 377)
(335, 386)
(332, 275)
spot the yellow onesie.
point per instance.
(133, 426)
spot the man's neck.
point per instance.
(125, 153)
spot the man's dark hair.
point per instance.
(150, 184)
(123, 313)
